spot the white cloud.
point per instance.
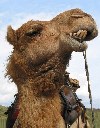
(4, 45)
(1, 14)
(7, 91)
(5, 88)
(0, 21)
(5, 51)
(93, 51)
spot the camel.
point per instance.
(41, 53)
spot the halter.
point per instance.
(72, 106)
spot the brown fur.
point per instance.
(42, 49)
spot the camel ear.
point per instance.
(11, 36)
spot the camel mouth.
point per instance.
(84, 35)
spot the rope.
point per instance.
(78, 122)
(89, 89)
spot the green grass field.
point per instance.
(96, 115)
(3, 109)
(3, 122)
(3, 117)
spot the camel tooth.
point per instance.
(85, 34)
(79, 32)
(71, 34)
(82, 34)
(74, 34)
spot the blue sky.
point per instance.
(17, 12)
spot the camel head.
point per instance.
(35, 42)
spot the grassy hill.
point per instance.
(3, 109)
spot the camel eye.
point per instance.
(34, 30)
(31, 32)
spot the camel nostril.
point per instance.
(91, 34)
(88, 33)
(77, 15)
